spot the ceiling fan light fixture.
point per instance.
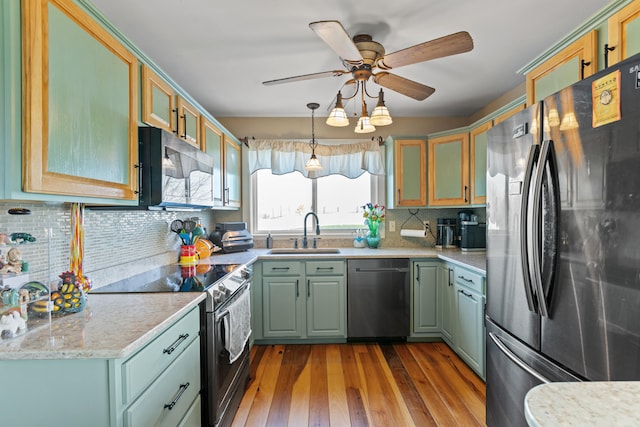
(338, 117)
(380, 115)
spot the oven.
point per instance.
(224, 381)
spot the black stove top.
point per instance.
(171, 278)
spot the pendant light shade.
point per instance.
(364, 125)
(313, 164)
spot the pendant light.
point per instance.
(313, 164)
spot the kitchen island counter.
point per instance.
(111, 326)
(583, 404)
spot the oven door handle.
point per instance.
(245, 286)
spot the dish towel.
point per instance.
(237, 325)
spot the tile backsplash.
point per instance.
(117, 243)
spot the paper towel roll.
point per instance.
(413, 233)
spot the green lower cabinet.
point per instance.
(282, 308)
(326, 306)
(447, 303)
(469, 322)
(302, 300)
(426, 319)
(127, 392)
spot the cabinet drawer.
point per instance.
(139, 371)
(474, 281)
(325, 268)
(167, 400)
(281, 268)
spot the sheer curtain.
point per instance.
(283, 156)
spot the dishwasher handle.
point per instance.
(383, 269)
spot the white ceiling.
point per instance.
(220, 52)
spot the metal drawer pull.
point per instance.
(466, 294)
(465, 279)
(324, 268)
(176, 343)
(181, 390)
(279, 268)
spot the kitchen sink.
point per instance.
(285, 251)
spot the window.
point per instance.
(280, 202)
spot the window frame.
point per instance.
(377, 195)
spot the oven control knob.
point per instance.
(245, 273)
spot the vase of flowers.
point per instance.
(373, 216)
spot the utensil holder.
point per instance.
(188, 254)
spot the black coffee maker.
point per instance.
(446, 237)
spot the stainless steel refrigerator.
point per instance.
(563, 241)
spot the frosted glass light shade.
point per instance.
(380, 116)
(313, 164)
(338, 118)
(364, 126)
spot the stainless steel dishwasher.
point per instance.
(378, 298)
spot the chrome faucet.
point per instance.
(305, 242)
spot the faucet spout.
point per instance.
(305, 242)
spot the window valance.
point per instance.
(283, 156)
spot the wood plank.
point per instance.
(336, 390)
(399, 384)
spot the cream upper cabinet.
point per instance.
(407, 173)
(158, 101)
(164, 109)
(478, 163)
(80, 105)
(211, 142)
(188, 122)
(449, 170)
(232, 174)
(571, 64)
(624, 32)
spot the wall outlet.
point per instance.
(392, 226)
(427, 226)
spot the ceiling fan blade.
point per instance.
(452, 44)
(407, 87)
(334, 73)
(334, 35)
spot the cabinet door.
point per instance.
(564, 68)
(410, 162)
(158, 101)
(283, 312)
(447, 303)
(211, 143)
(425, 297)
(326, 306)
(80, 105)
(449, 170)
(188, 122)
(469, 327)
(624, 33)
(232, 182)
(478, 165)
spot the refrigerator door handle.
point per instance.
(515, 359)
(534, 152)
(547, 157)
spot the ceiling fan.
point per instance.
(362, 55)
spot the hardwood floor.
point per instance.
(369, 384)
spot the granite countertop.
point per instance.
(581, 404)
(110, 326)
(472, 260)
(116, 325)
